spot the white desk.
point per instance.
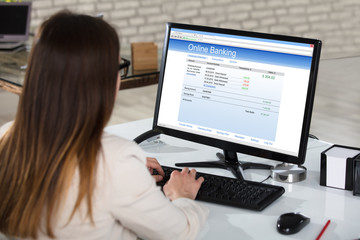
(308, 197)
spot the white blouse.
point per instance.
(127, 204)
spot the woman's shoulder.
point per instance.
(112, 141)
(109, 138)
(121, 161)
(115, 147)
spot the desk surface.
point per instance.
(308, 197)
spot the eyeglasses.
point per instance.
(124, 67)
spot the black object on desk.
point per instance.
(356, 183)
(337, 166)
(232, 192)
(15, 24)
(290, 223)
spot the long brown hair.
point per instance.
(67, 99)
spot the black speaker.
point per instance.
(356, 183)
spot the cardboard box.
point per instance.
(336, 167)
(144, 56)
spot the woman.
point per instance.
(61, 175)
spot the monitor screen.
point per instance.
(14, 21)
(239, 91)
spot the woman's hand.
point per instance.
(151, 164)
(183, 184)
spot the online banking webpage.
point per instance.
(240, 89)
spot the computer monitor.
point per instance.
(14, 23)
(240, 91)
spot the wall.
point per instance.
(335, 22)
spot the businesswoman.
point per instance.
(61, 175)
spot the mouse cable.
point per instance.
(266, 179)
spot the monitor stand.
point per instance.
(228, 161)
(288, 172)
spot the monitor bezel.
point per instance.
(236, 147)
(17, 37)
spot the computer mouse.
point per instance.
(290, 223)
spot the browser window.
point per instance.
(246, 89)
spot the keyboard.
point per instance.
(232, 192)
